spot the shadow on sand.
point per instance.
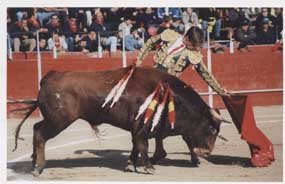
(117, 159)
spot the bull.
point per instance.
(65, 97)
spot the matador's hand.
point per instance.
(226, 93)
(138, 62)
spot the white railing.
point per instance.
(39, 61)
(209, 62)
(124, 55)
(245, 91)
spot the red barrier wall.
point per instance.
(259, 69)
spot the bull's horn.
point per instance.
(223, 138)
(218, 117)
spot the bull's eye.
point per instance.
(212, 130)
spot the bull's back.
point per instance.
(72, 95)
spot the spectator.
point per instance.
(34, 22)
(113, 16)
(42, 45)
(57, 41)
(173, 12)
(267, 34)
(126, 26)
(23, 12)
(133, 41)
(81, 46)
(43, 14)
(71, 29)
(91, 41)
(107, 38)
(146, 17)
(279, 21)
(178, 25)
(167, 23)
(232, 16)
(53, 27)
(259, 20)
(245, 34)
(251, 13)
(23, 36)
(189, 19)
(210, 21)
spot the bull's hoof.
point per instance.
(194, 163)
(37, 171)
(130, 167)
(149, 170)
(158, 156)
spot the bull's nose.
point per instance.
(202, 151)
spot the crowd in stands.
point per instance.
(80, 29)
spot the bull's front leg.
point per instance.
(194, 162)
(159, 152)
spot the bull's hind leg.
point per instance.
(43, 131)
(141, 142)
(132, 161)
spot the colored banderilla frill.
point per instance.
(153, 106)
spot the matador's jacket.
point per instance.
(173, 57)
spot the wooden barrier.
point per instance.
(258, 69)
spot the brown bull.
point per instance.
(65, 97)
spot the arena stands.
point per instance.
(77, 29)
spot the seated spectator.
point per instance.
(71, 29)
(23, 36)
(264, 14)
(81, 46)
(91, 41)
(267, 34)
(107, 38)
(23, 12)
(232, 16)
(178, 25)
(167, 23)
(126, 26)
(173, 12)
(133, 41)
(57, 41)
(245, 34)
(189, 19)
(145, 17)
(113, 16)
(34, 22)
(210, 21)
(279, 21)
(53, 27)
(251, 13)
(44, 14)
(43, 45)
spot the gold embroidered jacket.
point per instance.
(172, 57)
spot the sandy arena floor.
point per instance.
(77, 155)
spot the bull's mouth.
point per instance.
(202, 152)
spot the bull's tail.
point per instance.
(32, 108)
